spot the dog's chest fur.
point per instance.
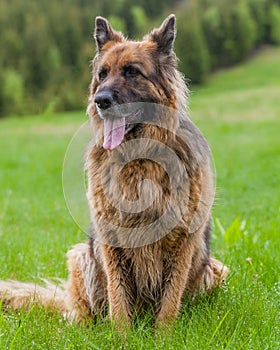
(131, 191)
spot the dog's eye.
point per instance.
(131, 71)
(102, 74)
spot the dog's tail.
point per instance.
(18, 295)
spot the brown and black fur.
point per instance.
(107, 272)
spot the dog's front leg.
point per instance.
(120, 291)
(176, 276)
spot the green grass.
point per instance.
(239, 112)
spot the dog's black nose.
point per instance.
(104, 99)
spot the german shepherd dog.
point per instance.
(150, 191)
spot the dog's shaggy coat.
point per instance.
(118, 269)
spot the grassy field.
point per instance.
(239, 113)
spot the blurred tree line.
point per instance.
(46, 45)
(219, 33)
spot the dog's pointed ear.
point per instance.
(105, 33)
(165, 35)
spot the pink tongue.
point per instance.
(113, 132)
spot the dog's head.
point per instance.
(126, 72)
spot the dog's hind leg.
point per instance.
(217, 275)
(207, 273)
(86, 290)
(211, 275)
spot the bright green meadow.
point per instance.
(238, 110)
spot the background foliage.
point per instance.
(46, 45)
